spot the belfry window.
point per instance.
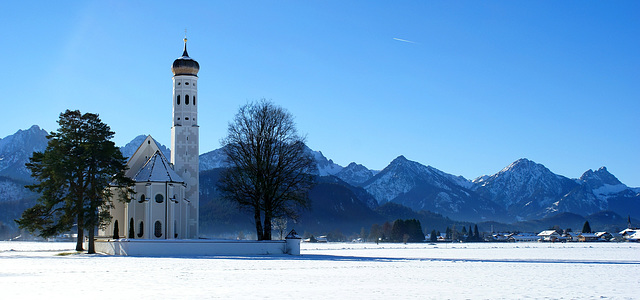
(158, 229)
(178, 100)
(186, 99)
(141, 198)
(159, 198)
(194, 100)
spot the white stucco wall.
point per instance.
(139, 247)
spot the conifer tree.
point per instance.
(476, 234)
(73, 175)
(586, 228)
(434, 236)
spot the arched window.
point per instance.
(159, 198)
(158, 229)
(140, 229)
(175, 228)
(142, 198)
(194, 100)
(186, 99)
(178, 99)
(131, 233)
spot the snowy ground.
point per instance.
(334, 271)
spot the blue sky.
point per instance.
(474, 86)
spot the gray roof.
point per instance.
(157, 169)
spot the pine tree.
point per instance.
(398, 231)
(434, 236)
(73, 175)
(476, 234)
(586, 228)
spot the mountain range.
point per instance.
(354, 196)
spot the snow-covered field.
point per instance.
(331, 271)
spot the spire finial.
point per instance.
(184, 53)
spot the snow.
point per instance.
(157, 169)
(608, 190)
(338, 271)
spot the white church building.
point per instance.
(165, 202)
(162, 217)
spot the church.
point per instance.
(162, 217)
(166, 199)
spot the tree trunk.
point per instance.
(267, 227)
(92, 244)
(80, 239)
(258, 222)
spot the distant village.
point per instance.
(547, 236)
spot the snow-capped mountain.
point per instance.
(355, 174)
(325, 166)
(603, 183)
(16, 149)
(216, 159)
(529, 190)
(600, 190)
(213, 160)
(401, 176)
(526, 189)
(422, 187)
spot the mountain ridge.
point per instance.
(523, 190)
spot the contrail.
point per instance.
(406, 41)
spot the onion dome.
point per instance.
(185, 65)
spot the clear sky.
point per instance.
(464, 86)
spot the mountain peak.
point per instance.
(599, 178)
(399, 159)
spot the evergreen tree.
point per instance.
(73, 175)
(586, 228)
(447, 233)
(398, 230)
(464, 230)
(434, 236)
(476, 234)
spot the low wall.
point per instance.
(138, 247)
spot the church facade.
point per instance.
(165, 202)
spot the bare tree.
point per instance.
(279, 226)
(269, 172)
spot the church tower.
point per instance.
(185, 132)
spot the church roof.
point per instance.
(157, 169)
